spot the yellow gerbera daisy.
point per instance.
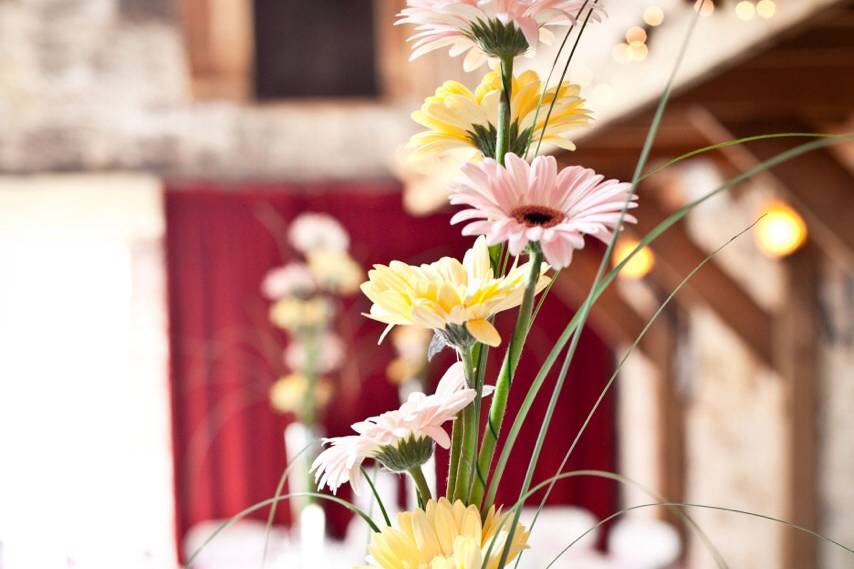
(448, 296)
(456, 117)
(444, 536)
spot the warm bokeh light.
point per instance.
(635, 35)
(781, 231)
(638, 266)
(745, 10)
(707, 8)
(653, 16)
(638, 52)
(766, 8)
(620, 53)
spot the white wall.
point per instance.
(86, 475)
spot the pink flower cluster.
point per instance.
(521, 203)
(419, 417)
(448, 23)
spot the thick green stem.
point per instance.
(502, 142)
(470, 427)
(424, 493)
(505, 378)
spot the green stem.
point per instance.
(502, 141)
(454, 463)
(505, 378)
(424, 494)
(470, 427)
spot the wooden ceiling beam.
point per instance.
(817, 184)
(677, 255)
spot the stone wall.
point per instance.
(104, 85)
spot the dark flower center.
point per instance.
(538, 215)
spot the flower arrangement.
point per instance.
(304, 297)
(527, 215)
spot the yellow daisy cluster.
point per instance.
(452, 297)
(459, 118)
(445, 536)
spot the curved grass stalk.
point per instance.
(588, 303)
(562, 75)
(376, 496)
(615, 478)
(280, 486)
(733, 142)
(701, 506)
(549, 79)
(263, 504)
(622, 362)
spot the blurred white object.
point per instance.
(556, 528)
(297, 438)
(644, 543)
(240, 545)
(312, 535)
(312, 231)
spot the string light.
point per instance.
(620, 53)
(636, 35)
(745, 10)
(638, 52)
(766, 8)
(639, 265)
(781, 231)
(653, 16)
(707, 8)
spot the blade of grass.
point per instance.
(563, 75)
(376, 496)
(615, 478)
(549, 80)
(280, 486)
(700, 506)
(625, 357)
(734, 142)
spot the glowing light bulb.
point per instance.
(766, 8)
(620, 53)
(781, 231)
(745, 10)
(653, 16)
(639, 265)
(635, 35)
(707, 7)
(638, 52)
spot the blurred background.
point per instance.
(153, 154)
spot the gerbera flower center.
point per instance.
(538, 215)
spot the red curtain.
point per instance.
(228, 444)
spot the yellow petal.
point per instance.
(484, 332)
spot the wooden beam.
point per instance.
(796, 349)
(677, 254)
(662, 346)
(816, 184)
(218, 35)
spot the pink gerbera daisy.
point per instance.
(418, 423)
(486, 28)
(523, 203)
